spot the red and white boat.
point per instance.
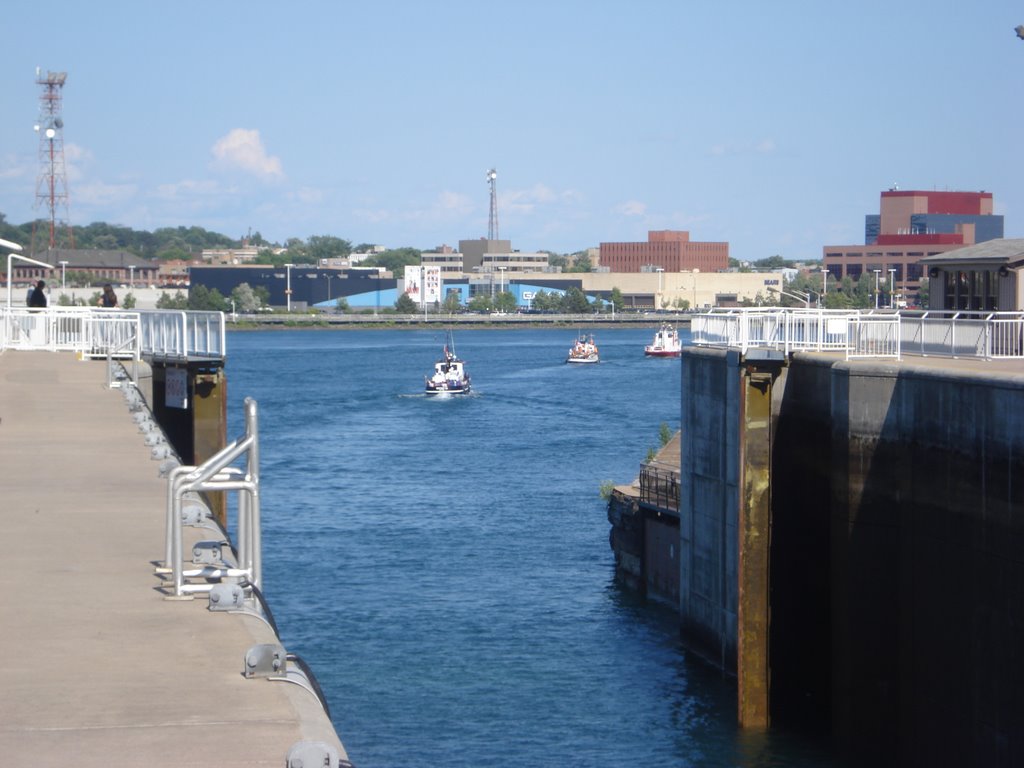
(666, 343)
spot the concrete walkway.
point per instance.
(97, 668)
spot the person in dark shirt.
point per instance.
(38, 297)
(108, 298)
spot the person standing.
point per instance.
(38, 297)
(109, 298)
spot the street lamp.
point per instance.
(131, 276)
(877, 273)
(824, 284)
(892, 287)
(288, 285)
(10, 258)
(63, 284)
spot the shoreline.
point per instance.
(482, 322)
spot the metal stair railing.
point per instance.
(217, 474)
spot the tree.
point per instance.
(327, 247)
(452, 303)
(395, 260)
(616, 299)
(244, 298)
(575, 301)
(405, 304)
(128, 302)
(581, 263)
(505, 302)
(201, 298)
(481, 303)
(178, 301)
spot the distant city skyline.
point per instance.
(772, 128)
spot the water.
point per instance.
(443, 565)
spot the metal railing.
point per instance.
(989, 335)
(865, 334)
(95, 332)
(853, 333)
(217, 474)
(659, 487)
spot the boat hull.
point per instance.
(662, 352)
(583, 360)
(447, 389)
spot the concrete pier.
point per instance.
(99, 668)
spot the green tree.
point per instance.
(575, 301)
(395, 260)
(178, 301)
(327, 247)
(505, 302)
(452, 303)
(207, 299)
(481, 303)
(581, 263)
(405, 304)
(128, 302)
(616, 299)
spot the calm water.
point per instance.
(443, 564)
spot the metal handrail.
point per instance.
(864, 333)
(217, 474)
(162, 334)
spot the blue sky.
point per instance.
(773, 126)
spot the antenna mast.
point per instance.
(492, 221)
(52, 185)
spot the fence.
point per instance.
(788, 330)
(94, 332)
(865, 334)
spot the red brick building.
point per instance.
(910, 226)
(669, 250)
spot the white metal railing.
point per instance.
(988, 335)
(182, 334)
(217, 474)
(788, 330)
(96, 332)
(864, 333)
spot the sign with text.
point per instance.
(176, 388)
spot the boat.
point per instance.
(449, 377)
(584, 350)
(666, 343)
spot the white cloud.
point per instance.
(189, 188)
(242, 149)
(631, 208)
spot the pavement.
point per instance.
(99, 668)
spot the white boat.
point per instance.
(584, 350)
(449, 377)
(666, 343)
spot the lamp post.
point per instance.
(877, 273)
(63, 283)
(824, 284)
(288, 286)
(131, 276)
(892, 287)
(11, 257)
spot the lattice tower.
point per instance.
(52, 184)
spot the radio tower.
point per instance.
(52, 185)
(492, 221)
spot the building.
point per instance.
(667, 250)
(93, 266)
(911, 226)
(981, 277)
